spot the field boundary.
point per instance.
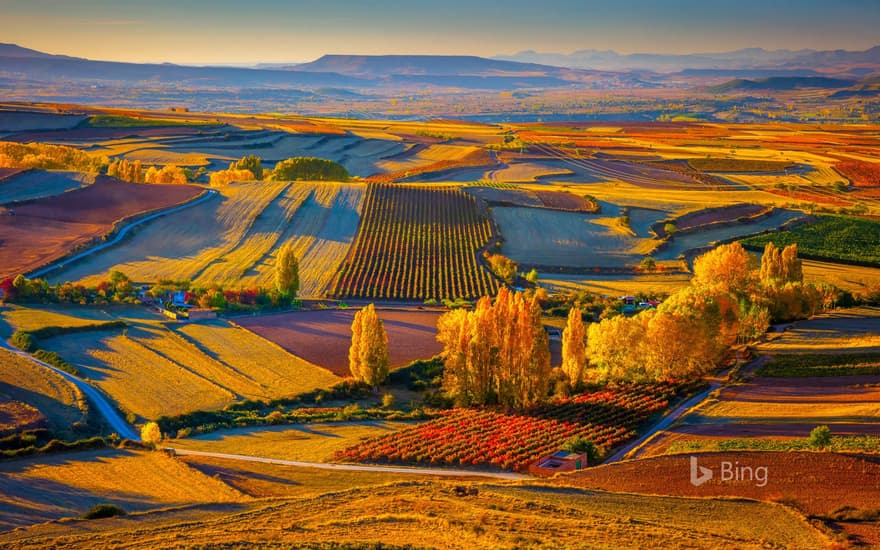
(118, 232)
(353, 467)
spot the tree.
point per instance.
(368, 354)
(225, 177)
(574, 347)
(151, 434)
(820, 437)
(502, 266)
(780, 267)
(287, 272)
(496, 354)
(168, 174)
(251, 163)
(728, 267)
(309, 169)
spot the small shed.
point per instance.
(560, 461)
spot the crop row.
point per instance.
(485, 437)
(417, 243)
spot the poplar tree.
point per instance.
(574, 345)
(368, 354)
(287, 271)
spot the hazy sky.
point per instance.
(245, 31)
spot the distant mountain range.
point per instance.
(746, 70)
(835, 61)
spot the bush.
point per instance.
(99, 511)
(56, 361)
(23, 341)
(820, 437)
(388, 400)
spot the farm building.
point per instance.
(560, 461)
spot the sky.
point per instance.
(252, 31)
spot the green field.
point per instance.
(842, 238)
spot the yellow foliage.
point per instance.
(151, 434)
(225, 177)
(368, 354)
(167, 174)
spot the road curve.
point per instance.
(121, 234)
(116, 422)
(356, 467)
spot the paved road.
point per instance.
(357, 467)
(121, 235)
(110, 414)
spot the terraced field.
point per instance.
(233, 238)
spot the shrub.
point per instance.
(388, 400)
(23, 341)
(820, 437)
(99, 511)
(151, 434)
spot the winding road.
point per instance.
(355, 467)
(110, 414)
(122, 233)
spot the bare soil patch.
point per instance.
(49, 228)
(323, 337)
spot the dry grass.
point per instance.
(152, 370)
(426, 156)
(616, 285)
(429, 514)
(233, 239)
(849, 277)
(841, 331)
(271, 370)
(60, 401)
(814, 411)
(46, 488)
(306, 442)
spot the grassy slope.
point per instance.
(308, 442)
(429, 514)
(50, 487)
(58, 400)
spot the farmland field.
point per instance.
(428, 513)
(34, 184)
(46, 229)
(831, 238)
(323, 337)
(472, 437)
(417, 243)
(552, 238)
(42, 489)
(57, 399)
(809, 386)
(232, 239)
(846, 480)
(153, 369)
(313, 442)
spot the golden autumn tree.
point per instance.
(728, 267)
(781, 267)
(496, 354)
(616, 346)
(574, 347)
(287, 271)
(225, 177)
(151, 434)
(368, 354)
